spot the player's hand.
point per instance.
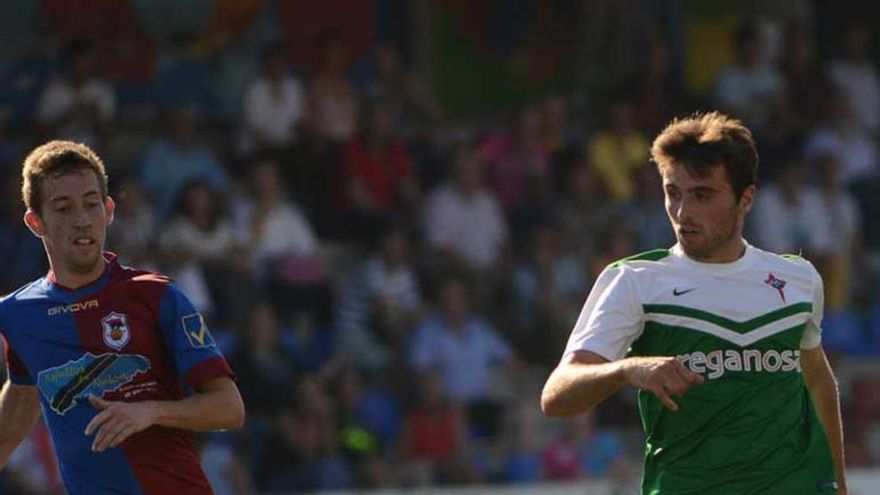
(662, 376)
(118, 421)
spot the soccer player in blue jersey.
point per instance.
(118, 360)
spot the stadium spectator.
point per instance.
(808, 90)
(135, 228)
(274, 106)
(304, 449)
(788, 216)
(857, 78)
(19, 247)
(270, 223)
(463, 349)
(843, 247)
(332, 101)
(177, 158)
(659, 91)
(751, 88)
(378, 174)
(562, 138)
(842, 136)
(411, 106)
(517, 157)
(463, 221)
(560, 134)
(618, 150)
(198, 246)
(646, 221)
(369, 422)
(547, 291)
(262, 361)
(283, 251)
(381, 305)
(524, 439)
(583, 208)
(77, 105)
(434, 436)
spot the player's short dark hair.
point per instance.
(704, 140)
(54, 159)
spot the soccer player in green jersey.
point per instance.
(722, 339)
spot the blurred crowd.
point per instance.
(392, 284)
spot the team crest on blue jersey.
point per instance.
(116, 331)
(776, 283)
(197, 331)
(74, 381)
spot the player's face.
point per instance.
(73, 223)
(705, 213)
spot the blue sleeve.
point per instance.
(195, 354)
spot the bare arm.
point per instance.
(585, 379)
(19, 409)
(216, 406)
(822, 385)
(579, 383)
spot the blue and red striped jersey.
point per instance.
(131, 335)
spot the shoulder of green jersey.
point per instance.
(648, 256)
(795, 261)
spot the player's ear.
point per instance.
(34, 223)
(110, 208)
(747, 198)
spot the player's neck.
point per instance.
(728, 253)
(74, 280)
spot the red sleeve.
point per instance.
(208, 370)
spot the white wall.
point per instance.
(861, 482)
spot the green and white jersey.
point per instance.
(751, 427)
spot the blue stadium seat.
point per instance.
(135, 95)
(186, 83)
(842, 332)
(21, 82)
(873, 330)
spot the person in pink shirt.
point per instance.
(516, 158)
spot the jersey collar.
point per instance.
(742, 263)
(111, 265)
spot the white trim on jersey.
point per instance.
(739, 339)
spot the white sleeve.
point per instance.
(813, 329)
(612, 317)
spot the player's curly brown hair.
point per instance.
(54, 159)
(704, 140)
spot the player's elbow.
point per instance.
(232, 411)
(553, 403)
(549, 406)
(236, 415)
(553, 407)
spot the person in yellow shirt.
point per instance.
(618, 151)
